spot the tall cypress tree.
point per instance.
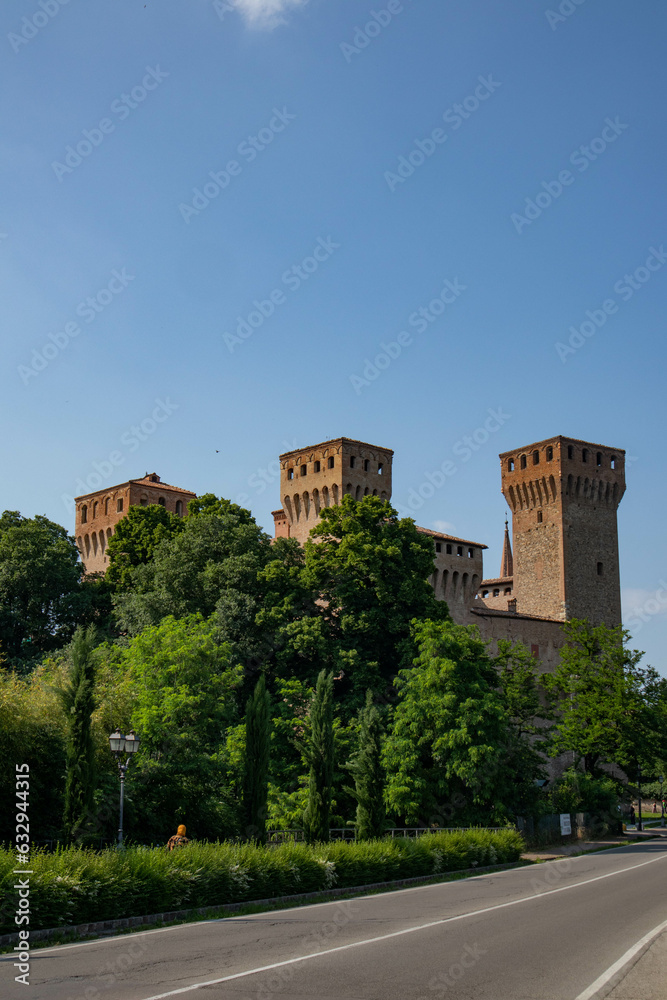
(258, 746)
(78, 700)
(319, 754)
(368, 772)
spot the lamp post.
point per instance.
(122, 747)
(662, 802)
(640, 825)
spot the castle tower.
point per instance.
(320, 475)
(564, 495)
(98, 513)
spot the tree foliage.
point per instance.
(449, 731)
(318, 751)
(257, 760)
(608, 708)
(78, 700)
(135, 540)
(40, 591)
(368, 773)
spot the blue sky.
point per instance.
(170, 175)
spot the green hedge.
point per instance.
(73, 886)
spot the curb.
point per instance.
(128, 923)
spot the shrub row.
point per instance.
(72, 885)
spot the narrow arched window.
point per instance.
(162, 501)
(523, 462)
(84, 514)
(550, 454)
(584, 455)
(94, 510)
(179, 508)
(536, 457)
(613, 461)
(510, 465)
(598, 459)
(570, 451)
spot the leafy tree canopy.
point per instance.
(450, 730)
(135, 539)
(371, 572)
(40, 575)
(608, 708)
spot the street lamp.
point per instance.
(123, 745)
(640, 825)
(662, 802)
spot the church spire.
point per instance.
(507, 564)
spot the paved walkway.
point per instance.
(572, 849)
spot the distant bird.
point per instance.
(217, 452)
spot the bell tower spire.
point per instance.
(507, 563)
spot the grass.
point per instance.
(72, 886)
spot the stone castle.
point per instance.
(562, 562)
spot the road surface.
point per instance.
(543, 932)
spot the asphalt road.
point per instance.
(542, 932)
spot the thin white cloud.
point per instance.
(446, 527)
(266, 13)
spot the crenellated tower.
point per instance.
(564, 495)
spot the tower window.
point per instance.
(471, 553)
(106, 506)
(598, 459)
(290, 473)
(510, 465)
(179, 508)
(536, 457)
(367, 465)
(523, 462)
(143, 502)
(584, 455)
(331, 462)
(380, 468)
(550, 454)
(352, 461)
(613, 461)
(162, 502)
(84, 514)
(449, 550)
(459, 550)
(485, 593)
(304, 470)
(119, 505)
(539, 517)
(507, 590)
(438, 546)
(600, 568)
(570, 451)
(316, 467)
(496, 592)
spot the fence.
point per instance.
(348, 832)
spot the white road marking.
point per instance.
(394, 934)
(609, 974)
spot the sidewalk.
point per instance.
(576, 847)
(645, 979)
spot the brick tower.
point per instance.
(320, 475)
(564, 495)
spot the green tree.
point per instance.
(608, 708)
(318, 752)
(78, 701)
(185, 699)
(40, 576)
(528, 728)
(257, 762)
(135, 539)
(368, 773)
(445, 751)
(371, 572)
